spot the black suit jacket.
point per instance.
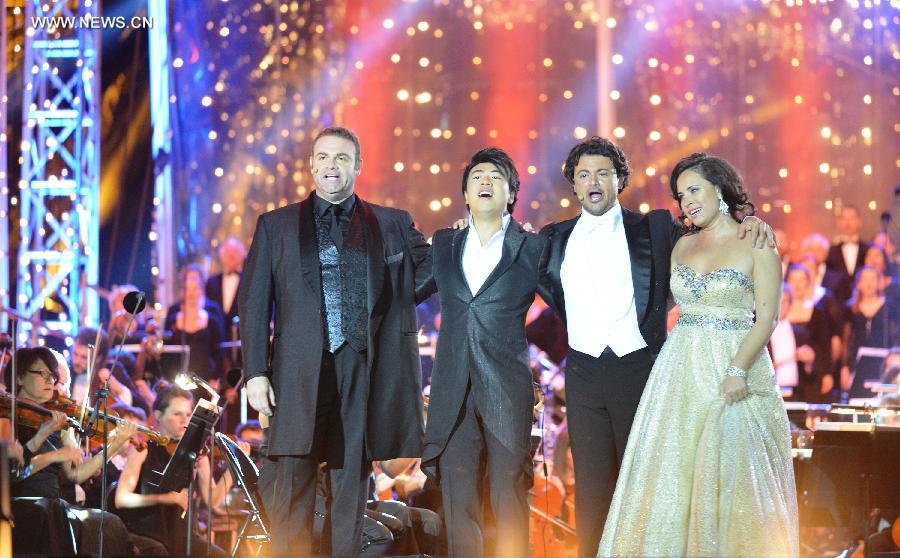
(482, 340)
(283, 271)
(214, 292)
(650, 238)
(835, 262)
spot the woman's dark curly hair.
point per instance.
(598, 146)
(719, 173)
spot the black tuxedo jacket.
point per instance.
(650, 238)
(482, 340)
(282, 271)
(214, 292)
(835, 262)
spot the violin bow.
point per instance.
(92, 361)
(12, 378)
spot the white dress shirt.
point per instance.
(597, 286)
(230, 283)
(850, 251)
(479, 261)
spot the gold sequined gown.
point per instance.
(699, 477)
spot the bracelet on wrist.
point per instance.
(735, 371)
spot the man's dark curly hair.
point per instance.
(598, 146)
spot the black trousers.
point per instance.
(602, 396)
(288, 483)
(473, 462)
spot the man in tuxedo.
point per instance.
(222, 287)
(827, 281)
(340, 377)
(481, 403)
(849, 253)
(608, 279)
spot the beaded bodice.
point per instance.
(722, 299)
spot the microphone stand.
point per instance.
(13, 390)
(100, 400)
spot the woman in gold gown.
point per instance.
(708, 470)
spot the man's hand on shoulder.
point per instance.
(760, 233)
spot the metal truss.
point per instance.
(60, 179)
(4, 178)
(164, 261)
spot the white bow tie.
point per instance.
(605, 223)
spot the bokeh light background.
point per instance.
(802, 96)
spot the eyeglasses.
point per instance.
(47, 375)
(604, 175)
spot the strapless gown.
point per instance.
(700, 477)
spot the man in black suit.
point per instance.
(343, 362)
(849, 253)
(818, 247)
(481, 402)
(222, 287)
(608, 279)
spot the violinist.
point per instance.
(250, 432)
(93, 488)
(161, 512)
(119, 392)
(50, 451)
(50, 448)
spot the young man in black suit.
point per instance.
(608, 279)
(481, 402)
(849, 252)
(341, 377)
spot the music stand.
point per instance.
(179, 471)
(246, 476)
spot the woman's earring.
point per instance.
(723, 207)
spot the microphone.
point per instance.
(135, 302)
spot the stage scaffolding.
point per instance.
(59, 185)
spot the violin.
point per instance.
(33, 415)
(29, 414)
(108, 420)
(254, 454)
(255, 446)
